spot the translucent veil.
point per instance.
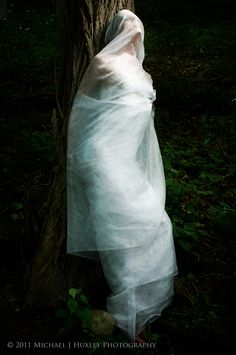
(115, 179)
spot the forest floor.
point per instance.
(193, 68)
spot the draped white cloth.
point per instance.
(115, 180)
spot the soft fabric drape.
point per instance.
(115, 180)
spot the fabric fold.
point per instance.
(115, 180)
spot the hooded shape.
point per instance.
(115, 179)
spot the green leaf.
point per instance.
(190, 233)
(177, 220)
(83, 298)
(205, 193)
(72, 305)
(195, 237)
(61, 313)
(174, 171)
(185, 245)
(210, 176)
(85, 315)
(73, 292)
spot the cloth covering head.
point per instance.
(125, 29)
(119, 62)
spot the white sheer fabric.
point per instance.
(115, 180)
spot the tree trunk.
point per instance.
(53, 272)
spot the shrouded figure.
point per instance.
(115, 180)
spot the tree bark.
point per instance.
(53, 272)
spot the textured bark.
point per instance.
(53, 272)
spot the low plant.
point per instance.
(77, 310)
